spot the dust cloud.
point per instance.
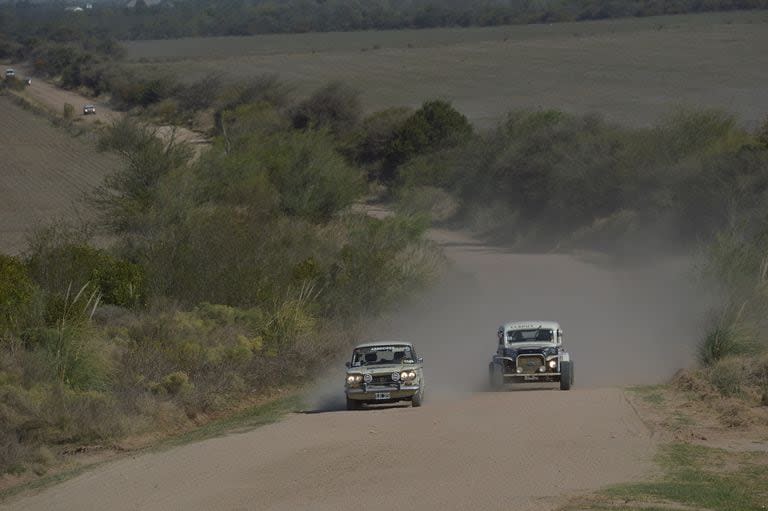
(622, 325)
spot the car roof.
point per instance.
(525, 325)
(384, 343)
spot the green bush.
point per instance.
(299, 172)
(130, 90)
(373, 139)
(16, 292)
(201, 94)
(730, 375)
(370, 276)
(434, 203)
(245, 124)
(69, 346)
(436, 125)
(311, 178)
(127, 197)
(335, 107)
(728, 338)
(176, 383)
(59, 259)
(264, 90)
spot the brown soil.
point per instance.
(489, 451)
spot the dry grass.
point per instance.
(632, 70)
(715, 456)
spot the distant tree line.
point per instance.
(189, 18)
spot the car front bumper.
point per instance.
(369, 392)
(533, 377)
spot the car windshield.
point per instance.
(532, 335)
(381, 355)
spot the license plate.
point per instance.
(382, 395)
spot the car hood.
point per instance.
(382, 369)
(531, 345)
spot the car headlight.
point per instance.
(552, 364)
(407, 375)
(354, 379)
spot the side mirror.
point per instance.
(420, 360)
(348, 364)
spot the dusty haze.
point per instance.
(463, 449)
(623, 325)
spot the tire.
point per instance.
(354, 404)
(566, 375)
(418, 398)
(497, 377)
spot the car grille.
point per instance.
(382, 379)
(530, 363)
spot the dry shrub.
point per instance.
(734, 413)
(18, 425)
(167, 110)
(492, 218)
(759, 368)
(730, 335)
(335, 106)
(84, 417)
(731, 376)
(760, 374)
(606, 231)
(435, 203)
(694, 382)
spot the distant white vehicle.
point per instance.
(10, 73)
(529, 352)
(89, 110)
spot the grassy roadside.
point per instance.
(700, 466)
(692, 477)
(261, 413)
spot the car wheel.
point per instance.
(497, 377)
(566, 375)
(418, 398)
(354, 404)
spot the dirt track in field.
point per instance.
(465, 448)
(54, 98)
(44, 172)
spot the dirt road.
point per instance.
(54, 98)
(466, 448)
